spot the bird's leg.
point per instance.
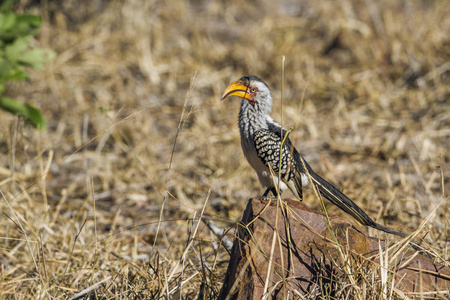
(273, 190)
(264, 196)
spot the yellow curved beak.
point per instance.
(237, 88)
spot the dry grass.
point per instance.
(375, 121)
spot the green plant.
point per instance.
(16, 54)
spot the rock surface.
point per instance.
(315, 258)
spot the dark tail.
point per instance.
(338, 198)
(330, 192)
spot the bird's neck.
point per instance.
(252, 119)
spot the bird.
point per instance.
(261, 141)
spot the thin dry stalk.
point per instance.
(180, 126)
(183, 256)
(266, 295)
(22, 231)
(90, 289)
(95, 216)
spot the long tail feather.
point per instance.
(340, 200)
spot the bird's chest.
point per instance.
(248, 147)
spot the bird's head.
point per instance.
(253, 91)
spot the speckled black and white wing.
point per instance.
(267, 144)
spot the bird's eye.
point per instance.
(253, 90)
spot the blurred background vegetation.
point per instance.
(367, 93)
(16, 31)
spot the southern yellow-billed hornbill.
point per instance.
(261, 139)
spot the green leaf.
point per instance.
(10, 70)
(30, 113)
(28, 24)
(13, 26)
(14, 50)
(6, 5)
(16, 53)
(7, 21)
(37, 57)
(32, 20)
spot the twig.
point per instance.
(42, 253)
(95, 215)
(225, 241)
(73, 246)
(89, 289)
(272, 250)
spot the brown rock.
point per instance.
(315, 261)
